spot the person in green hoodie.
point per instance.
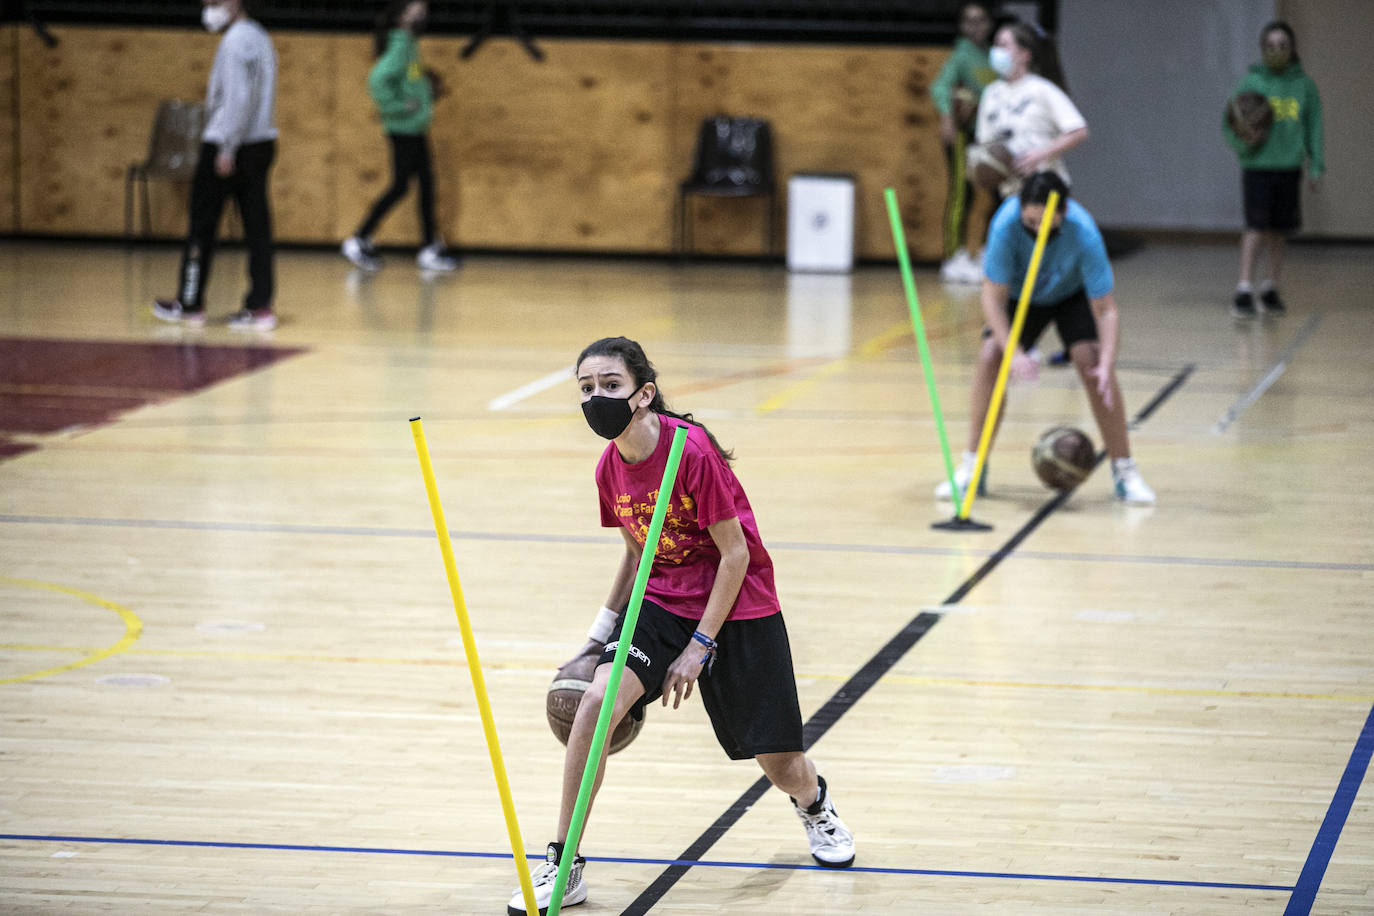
(1271, 171)
(956, 91)
(405, 97)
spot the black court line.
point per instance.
(863, 680)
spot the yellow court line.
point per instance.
(867, 350)
(133, 628)
(891, 679)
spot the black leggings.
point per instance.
(248, 186)
(409, 158)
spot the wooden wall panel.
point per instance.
(9, 162)
(583, 151)
(569, 153)
(86, 111)
(304, 174)
(864, 111)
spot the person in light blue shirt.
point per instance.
(1074, 291)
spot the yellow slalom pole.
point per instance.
(522, 868)
(1017, 321)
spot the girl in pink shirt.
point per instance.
(710, 616)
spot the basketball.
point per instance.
(1250, 116)
(963, 106)
(1063, 457)
(565, 693)
(989, 164)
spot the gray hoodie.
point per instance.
(243, 87)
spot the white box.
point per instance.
(820, 223)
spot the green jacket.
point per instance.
(1297, 132)
(400, 88)
(967, 66)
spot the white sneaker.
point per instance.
(543, 879)
(1128, 485)
(171, 310)
(962, 268)
(432, 257)
(950, 270)
(253, 320)
(962, 475)
(361, 253)
(832, 845)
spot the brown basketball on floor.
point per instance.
(1250, 116)
(565, 693)
(1063, 457)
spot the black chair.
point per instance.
(734, 158)
(172, 153)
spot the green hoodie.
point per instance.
(1297, 132)
(400, 88)
(967, 66)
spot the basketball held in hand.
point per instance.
(1250, 116)
(1063, 457)
(989, 164)
(565, 693)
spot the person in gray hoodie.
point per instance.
(238, 146)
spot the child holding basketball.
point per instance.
(1271, 170)
(955, 92)
(710, 618)
(1029, 108)
(1073, 289)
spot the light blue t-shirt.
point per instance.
(1074, 259)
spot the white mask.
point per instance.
(1000, 61)
(215, 18)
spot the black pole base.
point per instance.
(960, 524)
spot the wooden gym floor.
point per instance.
(231, 678)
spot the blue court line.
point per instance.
(1314, 869)
(898, 549)
(373, 850)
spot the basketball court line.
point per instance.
(542, 671)
(536, 538)
(864, 679)
(1270, 377)
(532, 388)
(627, 860)
(1314, 869)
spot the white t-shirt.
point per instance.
(1026, 115)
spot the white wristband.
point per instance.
(603, 625)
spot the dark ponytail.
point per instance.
(387, 19)
(643, 372)
(1044, 55)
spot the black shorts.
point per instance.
(750, 693)
(1272, 199)
(1072, 317)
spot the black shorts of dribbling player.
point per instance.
(750, 693)
(1072, 317)
(1272, 199)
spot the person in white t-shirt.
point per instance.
(1029, 108)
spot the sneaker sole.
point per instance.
(543, 910)
(824, 864)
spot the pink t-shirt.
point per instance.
(706, 492)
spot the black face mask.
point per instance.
(1054, 233)
(608, 417)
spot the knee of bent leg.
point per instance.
(1084, 356)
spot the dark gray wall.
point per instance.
(1152, 77)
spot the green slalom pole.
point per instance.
(622, 651)
(909, 282)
